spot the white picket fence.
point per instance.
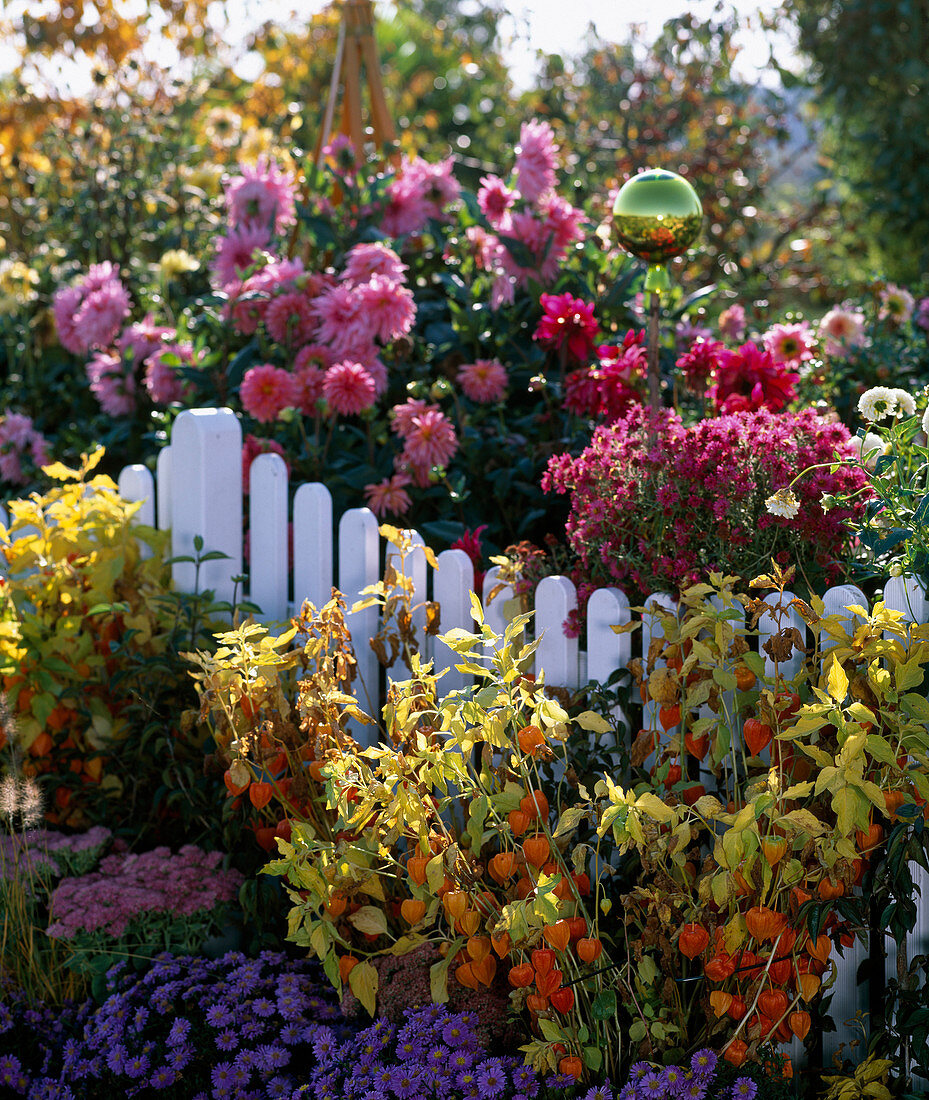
(198, 491)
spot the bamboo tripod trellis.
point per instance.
(356, 51)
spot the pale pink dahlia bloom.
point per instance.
(262, 196)
(841, 330)
(536, 158)
(236, 253)
(111, 384)
(495, 199)
(365, 260)
(387, 306)
(349, 389)
(431, 440)
(162, 381)
(343, 323)
(89, 314)
(402, 416)
(265, 391)
(289, 319)
(897, 304)
(389, 497)
(790, 343)
(484, 380)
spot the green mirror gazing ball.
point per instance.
(657, 215)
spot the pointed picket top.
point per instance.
(313, 577)
(555, 600)
(452, 584)
(268, 541)
(908, 595)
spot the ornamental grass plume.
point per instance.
(659, 509)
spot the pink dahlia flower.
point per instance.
(289, 319)
(89, 314)
(308, 389)
(790, 343)
(262, 196)
(162, 381)
(389, 497)
(349, 389)
(19, 439)
(749, 379)
(343, 323)
(842, 330)
(387, 306)
(732, 322)
(402, 416)
(265, 391)
(567, 322)
(495, 199)
(142, 339)
(365, 260)
(484, 380)
(430, 441)
(897, 304)
(111, 384)
(536, 158)
(235, 253)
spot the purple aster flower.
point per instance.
(491, 1079)
(264, 1007)
(136, 1066)
(704, 1062)
(163, 1078)
(290, 1034)
(407, 1083)
(227, 1040)
(279, 1088)
(560, 1081)
(673, 1080)
(180, 1057)
(180, 1029)
(694, 1089)
(744, 1089)
(651, 1085)
(640, 1070)
(116, 1058)
(219, 1015)
(599, 1092)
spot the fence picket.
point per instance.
(359, 566)
(495, 615)
(555, 599)
(268, 530)
(206, 497)
(163, 488)
(313, 579)
(416, 571)
(451, 585)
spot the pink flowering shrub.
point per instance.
(659, 507)
(22, 449)
(176, 901)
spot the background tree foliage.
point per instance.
(869, 68)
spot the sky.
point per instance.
(549, 25)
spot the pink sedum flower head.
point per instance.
(266, 391)
(388, 307)
(484, 380)
(842, 330)
(495, 199)
(790, 343)
(897, 304)
(349, 389)
(236, 253)
(89, 314)
(290, 319)
(262, 196)
(430, 441)
(365, 260)
(732, 322)
(567, 322)
(536, 159)
(162, 381)
(389, 497)
(111, 384)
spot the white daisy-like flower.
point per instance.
(906, 405)
(896, 304)
(783, 503)
(876, 403)
(925, 424)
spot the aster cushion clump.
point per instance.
(194, 1028)
(659, 507)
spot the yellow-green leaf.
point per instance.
(370, 919)
(837, 682)
(363, 983)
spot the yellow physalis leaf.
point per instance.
(363, 983)
(654, 807)
(837, 682)
(588, 720)
(370, 919)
